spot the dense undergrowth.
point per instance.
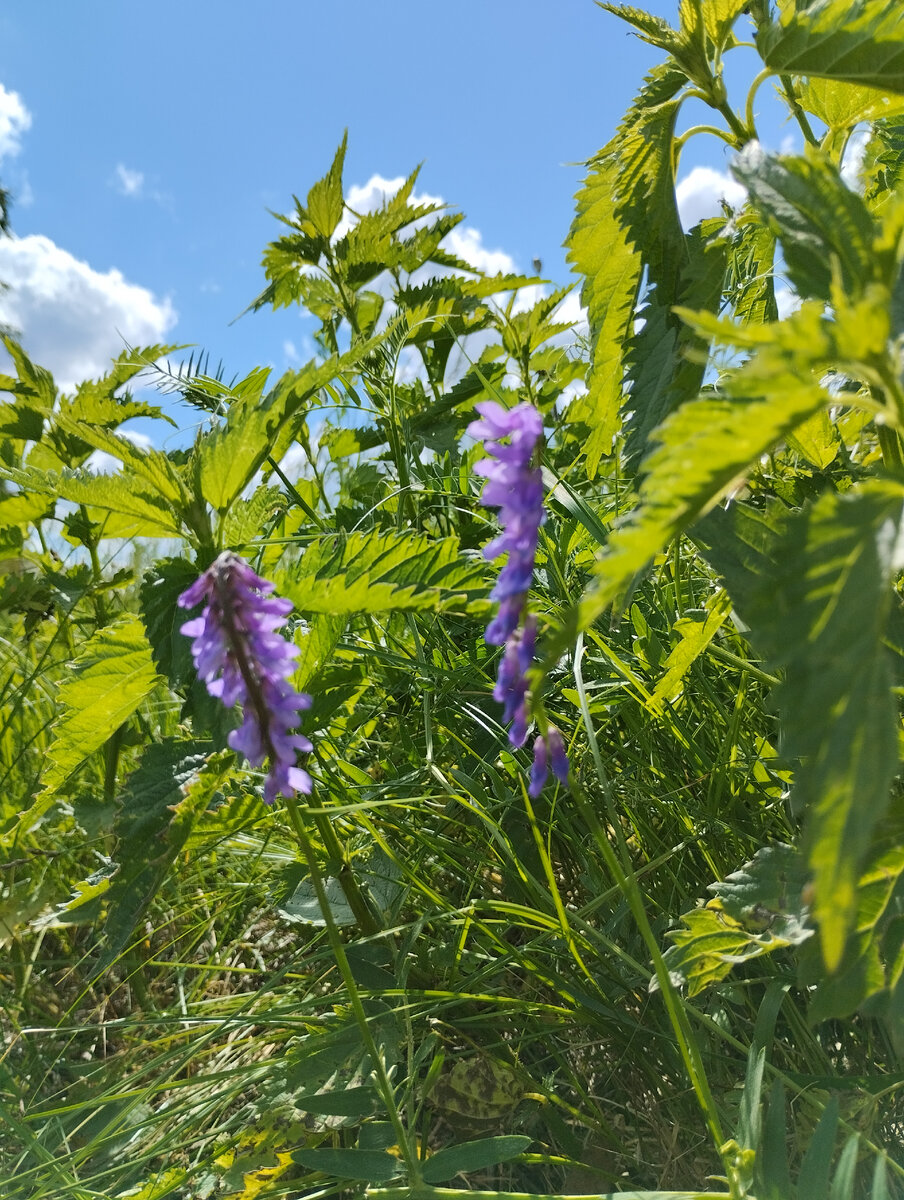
(681, 974)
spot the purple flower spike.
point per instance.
(516, 489)
(511, 684)
(243, 660)
(549, 752)
(539, 768)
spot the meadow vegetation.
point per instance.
(681, 974)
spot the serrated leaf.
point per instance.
(140, 512)
(246, 519)
(160, 589)
(173, 783)
(109, 679)
(317, 647)
(695, 635)
(325, 204)
(626, 219)
(374, 572)
(867, 967)
(815, 589)
(231, 454)
(817, 217)
(858, 41)
(841, 105)
(711, 943)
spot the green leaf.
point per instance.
(373, 1166)
(135, 512)
(247, 519)
(473, 1156)
(815, 589)
(374, 572)
(325, 204)
(758, 909)
(841, 105)
(829, 607)
(711, 943)
(317, 647)
(107, 682)
(666, 360)
(695, 634)
(858, 41)
(160, 589)
(111, 676)
(867, 968)
(162, 798)
(818, 218)
(228, 458)
(626, 219)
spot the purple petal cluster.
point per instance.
(515, 486)
(549, 753)
(243, 660)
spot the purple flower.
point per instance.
(539, 768)
(511, 683)
(516, 489)
(549, 752)
(243, 660)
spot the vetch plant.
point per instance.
(515, 486)
(243, 660)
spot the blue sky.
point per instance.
(144, 145)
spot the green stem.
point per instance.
(384, 1084)
(623, 876)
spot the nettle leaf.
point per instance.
(666, 360)
(625, 211)
(749, 281)
(108, 681)
(758, 909)
(711, 943)
(325, 204)
(374, 572)
(703, 449)
(317, 647)
(160, 589)
(814, 587)
(695, 634)
(173, 784)
(841, 105)
(883, 162)
(827, 613)
(228, 457)
(818, 218)
(157, 472)
(140, 512)
(870, 969)
(247, 519)
(858, 41)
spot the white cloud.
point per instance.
(14, 120)
(700, 194)
(71, 318)
(854, 154)
(128, 182)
